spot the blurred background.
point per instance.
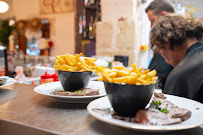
(32, 32)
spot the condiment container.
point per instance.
(46, 78)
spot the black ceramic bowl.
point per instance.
(126, 99)
(71, 81)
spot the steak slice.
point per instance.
(174, 111)
(81, 92)
(154, 116)
(182, 113)
(2, 81)
(159, 95)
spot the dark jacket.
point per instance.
(186, 79)
(163, 69)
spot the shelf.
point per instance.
(88, 39)
(93, 7)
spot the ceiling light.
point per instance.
(3, 7)
(11, 22)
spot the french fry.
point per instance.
(100, 79)
(99, 69)
(98, 73)
(139, 69)
(71, 63)
(142, 81)
(154, 78)
(106, 78)
(131, 70)
(132, 76)
(90, 62)
(152, 73)
(56, 67)
(68, 61)
(135, 69)
(131, 79)
(138, 83)
(144, 72)
(143, 76)
(69, 67)
(121, 68)
(150, 82)
(121, 73)
(60, 60)
(85, 70)
(132, 73)
(119, 79)
(112, 75)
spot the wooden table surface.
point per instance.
(22, 111)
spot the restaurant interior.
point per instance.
(38, 36)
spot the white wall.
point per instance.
(120, 37)
(64, 38)
(112, 10)
(145, 56)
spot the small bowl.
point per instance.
(72, 81)
(126, 99)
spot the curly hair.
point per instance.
(173, 30)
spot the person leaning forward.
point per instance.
(177, 39)
(156, 9)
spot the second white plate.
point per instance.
(48, 88)
(9, 81)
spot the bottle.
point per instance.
(86, 2)
(84, 24)
(91, 33)
(17, 52)
(99, 16)
(11, 42)
(55, 77)
(94, 27)
(80, 25)
(19, 73)
(46, 78)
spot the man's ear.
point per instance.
(163, 13)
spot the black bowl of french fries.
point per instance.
(72, 81)
(127, 99)
(74, 72)
(128, 90)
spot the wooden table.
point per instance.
(22, 111)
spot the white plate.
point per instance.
(46, 89)
(99, 62)
(100, 109)
(9, 81)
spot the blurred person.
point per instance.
(201, 20)
(177, 39)
(156, 9)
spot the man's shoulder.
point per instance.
(188, 68)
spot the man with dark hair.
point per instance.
(156, 9)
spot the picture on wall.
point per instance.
(56, 6)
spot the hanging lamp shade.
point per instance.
(3, 7)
